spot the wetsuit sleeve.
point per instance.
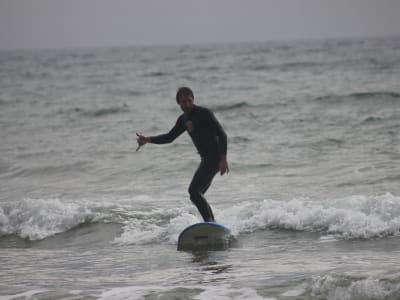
(220, 132)
(169, 137)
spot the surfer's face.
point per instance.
(186, 103)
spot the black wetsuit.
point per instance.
(210, 140)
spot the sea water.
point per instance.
(312, 197)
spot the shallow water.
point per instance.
(312, 197)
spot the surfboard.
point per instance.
(205, 236)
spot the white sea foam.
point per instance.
(296, 292)
(220, 292)
(353, 217)
(346, 288)
(127, 293)
(227, 292)
(36, 219)
(148, 229)
(350, 218)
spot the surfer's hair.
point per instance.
(182, 92)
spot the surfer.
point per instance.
(210, 140)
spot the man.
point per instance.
(210, 140)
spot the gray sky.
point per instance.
(92, 23)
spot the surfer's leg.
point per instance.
(200, 183)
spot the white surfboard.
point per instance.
(205, 236)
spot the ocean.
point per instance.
(312, 197)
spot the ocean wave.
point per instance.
(156, 74)
(288, 66)
(355, 217)
(227, 107)
(25, 295)
(336, 287)
(37, 219)
(101, 112)
(43, 169)
(372, 119)
(124, 92)
(389, 96)
(156, 226)
(245, 105)
(198, 292)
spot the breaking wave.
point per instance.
(37, 219)
(353, 217)
(335, 287)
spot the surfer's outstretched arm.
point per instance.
(166, 138)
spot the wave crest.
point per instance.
(353, 217)
(389, 96)
(36, 219)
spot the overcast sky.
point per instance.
(93, 23)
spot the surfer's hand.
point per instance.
(223, 165)
(141, 140)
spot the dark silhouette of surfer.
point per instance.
(210, 140)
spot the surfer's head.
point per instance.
(185, 98)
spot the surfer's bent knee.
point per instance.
(194, 194)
